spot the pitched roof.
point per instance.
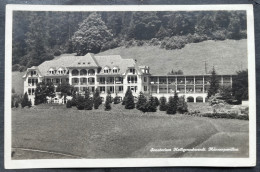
(89, 60)
(84, 61)
(114, 61)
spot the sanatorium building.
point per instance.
(113, 73)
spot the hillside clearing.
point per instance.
(227, 56)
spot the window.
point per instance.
(145, 79)
(132, 79)
(29, 91)
(102, 80)
(29, 81)
(36, 81)
(105, 70)
(120, 88)
(132, 70)
(145, 88)
(57, 81)
(102, 89)
(32, 91)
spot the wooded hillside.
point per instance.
(39, 36)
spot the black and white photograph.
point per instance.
(129, 86)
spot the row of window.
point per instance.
(57, 80)
(58, 72)
(32, 82)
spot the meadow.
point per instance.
(53, 131)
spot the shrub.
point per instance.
(57, 53)
(157, 102)
(68, 104)
(154, 42)
(25, 101)
(163, 106)
(80, 103)
(116, 100)
(16, 104)
(12, 103)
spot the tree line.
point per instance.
(39, 36)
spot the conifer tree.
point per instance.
(25, 100)
(97, 99)
(172, 104)
(182, 105)
(214, 86)
(163, 105)
(151, 105)
(107, 103)
(157, 103)
(129, 99)
(141, 103)
(88, 101)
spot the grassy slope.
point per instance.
(120, 133)
(227, 56)
(17, 82)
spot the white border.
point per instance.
(131, 162)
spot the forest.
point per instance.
(40, 36)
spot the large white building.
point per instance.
(116, 74)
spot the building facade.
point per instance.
(115, 74)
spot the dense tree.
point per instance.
(141, 102)
(157, 102)
(240, 86)
(129, 99)
(214, 86)
(226, 93)
(65, 88)
(163, 105)
(97, 99)
(92, 34)
(38, 35)
(44, 90)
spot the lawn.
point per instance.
(56, 132)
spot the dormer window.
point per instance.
(106, 70)
(52, 71)
(115, 70)
(132, 70)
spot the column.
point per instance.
(194, 87)
(194, 99)
(203, 84)
(231, 81)
(176, 85)
(185, 84)
(167, 82)
(158, 91)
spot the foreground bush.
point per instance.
(216, 115)
(69, 104)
